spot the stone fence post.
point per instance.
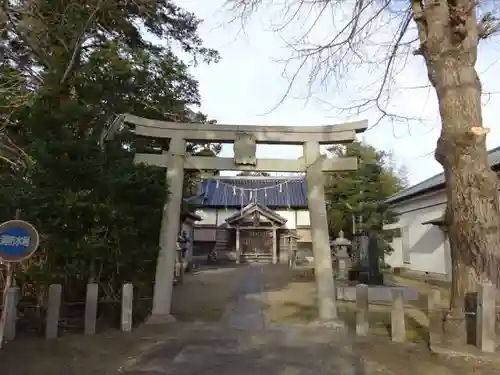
(398, 329)
(91, 309)
(435, 317)
(486, 318)
(53, 311)
(362, 325)
(127, 305)
(11, 316)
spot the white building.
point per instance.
(419, 240)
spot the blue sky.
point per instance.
(247, 83)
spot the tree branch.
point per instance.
(8, 12)
(78, 44)
(419, 18)
(488, 26)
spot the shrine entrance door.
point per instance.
(257, 245)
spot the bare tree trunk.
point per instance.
(473, 212)
(449, 38)
(464, 278)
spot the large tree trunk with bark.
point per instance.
(449, 37)
(473, 212)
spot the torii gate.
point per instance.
(244, 138)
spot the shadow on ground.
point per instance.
(215, 352)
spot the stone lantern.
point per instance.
(341, 246)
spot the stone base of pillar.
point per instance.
(160, 319)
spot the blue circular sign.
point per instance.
(18, 240)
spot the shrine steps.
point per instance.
(257, 258)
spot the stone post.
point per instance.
(319, 230)
(165, 267)
(398, 329)
(91, 309)
(486, 318)
(362, 325)
(275, 247)
(238, 249)
(127, 307)
(11, 315)
(53, 311)
(435, 317)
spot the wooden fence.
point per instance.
(52, 319)
(485, 316)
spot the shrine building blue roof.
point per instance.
(273, 192)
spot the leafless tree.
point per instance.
(13, 95)
(446, 35)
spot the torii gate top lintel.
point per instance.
(293, 135)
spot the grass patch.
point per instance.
(379, 320)
(296, 303)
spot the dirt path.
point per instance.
(246, 312)
(205, 295)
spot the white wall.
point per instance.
(208, 216)
(422, 247)
(289, 215)
(223, 214)
(303, 218)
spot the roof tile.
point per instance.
(271, 192)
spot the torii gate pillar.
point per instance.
(170, 224)
(325, 283)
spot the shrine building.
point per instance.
(252, 218)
